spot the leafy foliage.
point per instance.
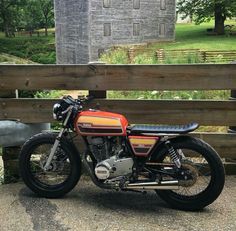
(117, 56)
(17, 15)
(11, 15)
(201, 11)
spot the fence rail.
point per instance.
(191, 55)
(118, 77)
(129, 77)
(137, 111)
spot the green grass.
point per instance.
(11, 59)
(190, 36)
(50, 30)
(36, 49)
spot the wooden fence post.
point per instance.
(232, 129)
(98, 94)
(10, 154)
(160, 55)
(131, 52)
(204, 57)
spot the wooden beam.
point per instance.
(118, 77)
(230, 168)
(223, 143)
(136, 111)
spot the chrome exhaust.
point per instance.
(164, 185)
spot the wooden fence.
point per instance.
(129, 77)
(183, 55)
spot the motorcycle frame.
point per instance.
(162, 138)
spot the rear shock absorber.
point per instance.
(173, 155)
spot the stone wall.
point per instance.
(85, 28)
(148, 22)
(72, 39)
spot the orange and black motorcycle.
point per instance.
(184, 171)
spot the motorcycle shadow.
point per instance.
(122, 201)
(93, 197)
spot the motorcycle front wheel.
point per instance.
(63, 173)
(207, 175)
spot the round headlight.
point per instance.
(57, 110)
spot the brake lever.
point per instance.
(67, 110)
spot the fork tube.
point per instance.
(57, 141)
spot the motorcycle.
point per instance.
(184, 171)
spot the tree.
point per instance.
(28, 14)
(32, 15)
(46, 8)
(9, 14)
(204, 10)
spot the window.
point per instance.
(136, 29)
(163, 4)
(162, 30)
(106, 3)
(136, 4)
(107, 29)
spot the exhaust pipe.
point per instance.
(164, 185)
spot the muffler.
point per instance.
(162, 185)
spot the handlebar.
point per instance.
(83, 100)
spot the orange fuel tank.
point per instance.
(101, 123)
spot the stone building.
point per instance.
(84, 28)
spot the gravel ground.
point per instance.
(90, 208)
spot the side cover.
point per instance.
(142, 145)
(100, 123)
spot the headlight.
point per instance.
(57, 110)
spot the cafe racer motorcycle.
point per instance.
(184, 171)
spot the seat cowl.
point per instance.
(167, 129)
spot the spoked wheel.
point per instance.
(201, 177)
(63, 172)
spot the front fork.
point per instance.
(57, 141)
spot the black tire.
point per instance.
(216, 182)
(70, 164)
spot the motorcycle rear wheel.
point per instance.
(210, 176)
(65, 168)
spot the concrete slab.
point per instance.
(90, 208)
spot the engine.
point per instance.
(112, 159)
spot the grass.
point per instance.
(11, 59)
(190, 36)
(50, 30)
(36, 49)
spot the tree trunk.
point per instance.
(46, 26)
(219, 19)
(46, 31)
(5, 26)
(6, 30)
